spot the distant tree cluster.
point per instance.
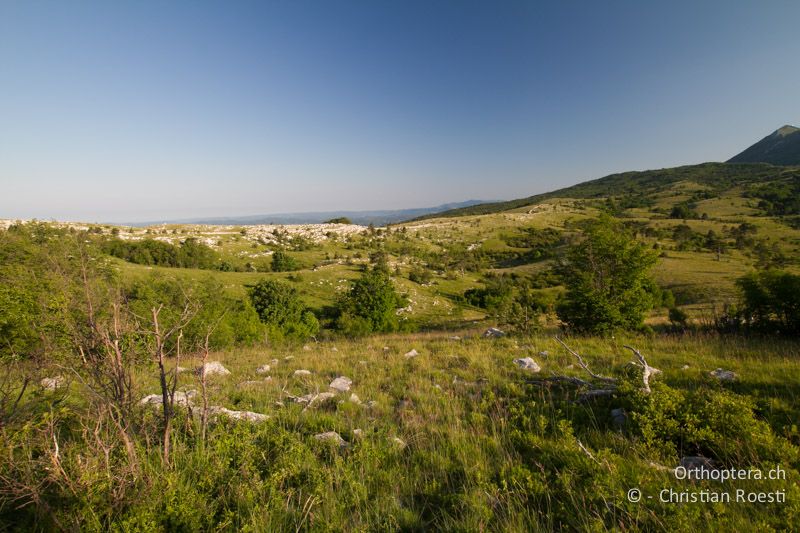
(189, 254)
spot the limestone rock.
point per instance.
(341, 384)
(213, 368)
(331, 436)
(723, 375)
(697, 462)
(53, 383)
(493, 333)
(183, 398)
(618, 417)
(527, 363)
(249, 416)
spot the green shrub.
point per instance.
(280, 308)
(283, 262)
(370, 305)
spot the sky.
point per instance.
(136, 111)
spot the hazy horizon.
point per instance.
(153, 111)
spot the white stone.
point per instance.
(213, 368)
(412, 353)
(263, 369)
(249, 416)
(331, 436)
(302, 372)
(493, 333)
(723, 375)
(53, 383)
(527, 364)
(400, 442)
(342, 384)
(181, 398)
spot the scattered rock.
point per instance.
(302, 372)
(412, 353)
(527, 364)
(312, 398)
(697, 462)
(288, 358)
(185, 399)
(53, 383)
(358, 433)
(372, 404)
(455, 338)
(306, 348)
(249, 416)
(334, 349)
(342, 384)
(544, 353)
(385, 348)
(213, 368)
(398, 441)
(331, 436)
(618, 417)
(493, 333)
(273, 362)
(263, 369)
(685, 367)
(723, 375)
(255, 383)
(355, 399)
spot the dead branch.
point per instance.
(583, 364)
(647, 370)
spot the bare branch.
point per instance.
(647, 370)
(583, 365)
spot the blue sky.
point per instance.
(113, 111)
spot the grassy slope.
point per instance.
(709, 282)
(645, 182)
(462, 459)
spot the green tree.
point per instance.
(523, 310)
(280, 308)
(771, 300)
(606, 275)
(370, 305)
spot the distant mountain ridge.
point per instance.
(762, 160)
(636, 184)
(781, 147)
(377, 217)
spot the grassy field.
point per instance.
(455, 438)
